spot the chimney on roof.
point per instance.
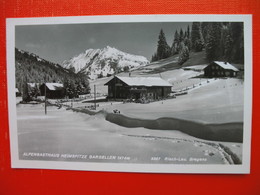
(225, 62)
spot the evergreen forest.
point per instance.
(30, 68)
(223, 41)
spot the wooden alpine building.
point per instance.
(220, 69)
(135, 88)
(53, 90)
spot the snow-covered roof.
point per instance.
(226, 65)
(144, 81)
(54, 86)
(32, 85)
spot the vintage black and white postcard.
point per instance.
(143, 93)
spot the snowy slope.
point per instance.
(103, 62)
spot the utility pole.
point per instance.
(115, 89)
(95, 105)
(45, 105)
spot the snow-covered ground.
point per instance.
(215, 101)
(63, 133)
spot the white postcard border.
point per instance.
(125, 167)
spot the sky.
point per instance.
(57, 43)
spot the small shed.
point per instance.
(220, 69)
(34, 89)
(149, 88)
(53, 90)
(17, 92)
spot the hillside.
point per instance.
(31, 68)
(196, 58)
(171, 63)
(98, 63)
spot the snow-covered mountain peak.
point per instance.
(104, 62)
(108, 47)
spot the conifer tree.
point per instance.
(213, 50)
(187, 40)
(184, 53)
(176, 36)
(163, 49)
(181, 36)
(196, 37)
(175, 44)
(188, 32)
(237, 33)
(204, 30)
(154, 57)
(226, 42)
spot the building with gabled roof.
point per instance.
(149, 88)
(53, 90)
(220, 69)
